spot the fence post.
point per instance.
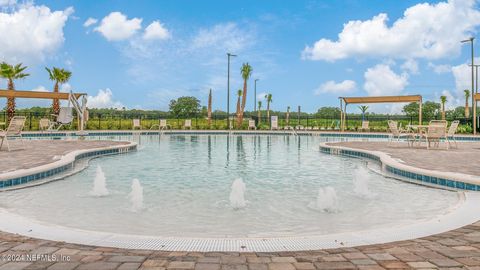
(30, 120)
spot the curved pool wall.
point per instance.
(445, 180)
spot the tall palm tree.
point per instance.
(246, 72)
(59, 76)
(467, 96)
(364, 109)
(288, 115)
(443, 99)
(209, 110)
(259, 112)
(239, 94)
(11, 73)
(269, 100)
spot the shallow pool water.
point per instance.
(228, 186)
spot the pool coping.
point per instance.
(32, 176)
(445, 180)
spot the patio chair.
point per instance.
(136, 124)
(43, 124)
(188, 124)
(274, 123)
(162, 125)
(14, 130)
(365, 126)
(437, 130)
(451, 133)
(299, 127)
(64, 117)
(395, 133)
(251, 124)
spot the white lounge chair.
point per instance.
(163, 125)
(365, 126)
(299, 127)
(14, 130)
(64, 117)
(395, 133)
(188, 124)
(274, 122)
(451, 132)
(136, 124)
(43, 124)
(437, 130)
(251, 124)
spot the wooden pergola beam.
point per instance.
(36, 94)
(382, 99)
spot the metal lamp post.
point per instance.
(474, 107)
(228, 89)
(255, 96)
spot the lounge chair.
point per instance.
(188, 124)
(64, 117)
(451, 132)
(136, 124)
(251, 124)
(162, 125)
(437, 130)
(14, 130)
(395, 133)
(274, 123)
(43, 124)
(365, 126)
(299, 127)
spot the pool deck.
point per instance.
(456, 249)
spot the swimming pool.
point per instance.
(219, 186)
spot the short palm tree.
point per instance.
(467, 96)
(11, 73)
(59, 76)
(259, 112)
(288, 115)
(268, 97)
(209, 110)
(246, 72)
(364, 109)
(443, 99)
(239, 95)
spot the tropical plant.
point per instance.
(209, 110)
(239, 95)
(59, 76)
(443, 100)
(268, 97)
(246, 72)
(467, 110)
(364, 109)
(287, 118)
(11, 73)
(259, 112)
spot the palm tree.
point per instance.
(467, 95)
(364, 109)
(259, 112)
(246, 71)
(443, 99)
(209, 110)
(269, 100)
(239, 94)
(11, 73)
(59, 76)
(288, 115)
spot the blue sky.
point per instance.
(303, 52)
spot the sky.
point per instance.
(141, 54)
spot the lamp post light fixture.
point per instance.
(473, 86)
(255, 96)
(228, 89)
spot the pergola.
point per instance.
(72, 98)
(344, 101)
(476, 97)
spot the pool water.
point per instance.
(228, 186)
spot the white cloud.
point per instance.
(336, 88)
(452, 100)
(439, 69)
(30, 33)
(115, 26)
(228, 37)
(104, 99)
(66, 87)
(380, 80)
(90, 21)
(261, 96)
(156, 30)
(40, 88)
(7, 2)
(410, 66)
(430, 31)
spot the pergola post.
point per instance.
(420, 111)
(474, 114)
(341, 114)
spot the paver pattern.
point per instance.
(459, 159)
(41, 152)
(457, 249)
